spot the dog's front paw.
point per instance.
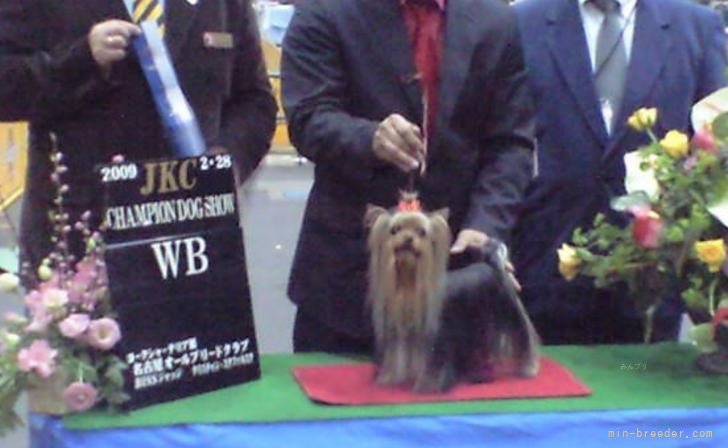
(388, 378)
(530, 366)
(480, 374)
(436, 381)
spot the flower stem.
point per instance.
(649, 319)
(652, 136)
(711, 297)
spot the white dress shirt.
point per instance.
(591, 18)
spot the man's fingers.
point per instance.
(109, 40)
(393, 143)
(468, 238)
(398, 158)
(411, 137)
(121, 27)
(117, 42)
(116, 55)
(396, 147)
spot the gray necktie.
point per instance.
(611, 57)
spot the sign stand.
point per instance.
(178, 278)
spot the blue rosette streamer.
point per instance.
(178, 118)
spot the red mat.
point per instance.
(352, 384)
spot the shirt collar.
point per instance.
(625, 6)
(440, 3)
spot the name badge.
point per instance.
(217, 40)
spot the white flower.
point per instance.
(705, 110)
(9, 282)
(638, 179)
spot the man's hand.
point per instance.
(476, 239)
(399, 142)
(468, 238)
(109, 41)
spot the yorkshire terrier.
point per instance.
(434, 328)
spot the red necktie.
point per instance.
(426, 21)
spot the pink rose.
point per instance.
(40, 321)
(82, 280)
(704, 140)
(103, 333)
(74, 325)
(80, 396)
(34, 301)
(37, 303)
(647, 227)
(54, 298)
(89, 277)
(39, 357)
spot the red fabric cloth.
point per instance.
(425, 21)
(353, 384)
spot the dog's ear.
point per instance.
(443, 212)
(372, 214)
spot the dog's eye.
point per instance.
(421, 232)
(394, 230)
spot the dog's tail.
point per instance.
(524, 338)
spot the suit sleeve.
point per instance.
(712, 74)
(507, 144)
(248, 118)
(315, 88)
(40, 80)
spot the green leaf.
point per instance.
(117, 398)
(720, 126)
(673, 234)
(694, 298)
(115, 377)
(702, 335)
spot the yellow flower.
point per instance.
(643, 119)
(712, 253)
(569, 261)
(675, 144)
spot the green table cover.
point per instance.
(621, 377)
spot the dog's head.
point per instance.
(409, 237)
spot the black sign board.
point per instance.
(177, 275)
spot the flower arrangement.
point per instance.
(61, 351)
(677, 199)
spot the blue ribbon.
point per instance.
(178, 118)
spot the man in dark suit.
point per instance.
(674, 54)
(354, 74)
(68, 68)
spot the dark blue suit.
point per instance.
(347, 65)
(677, 57)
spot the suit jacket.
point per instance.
(678, 56)
(347, 65)
(49, 78)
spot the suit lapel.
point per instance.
(395, 49)
(571, 54)
(460, 39)
(650, 49)
(178, 18)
